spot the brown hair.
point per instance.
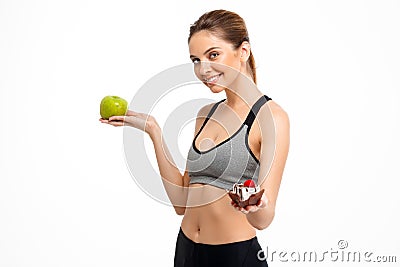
(228, 26)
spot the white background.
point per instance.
(66, 195)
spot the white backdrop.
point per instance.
(66, 195)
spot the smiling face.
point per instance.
(216, 62)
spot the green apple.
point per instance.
(113, 106)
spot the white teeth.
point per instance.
(212, 79)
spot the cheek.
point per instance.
(230, 62)
(229, 69)
(196, 70)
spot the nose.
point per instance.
(205, 67)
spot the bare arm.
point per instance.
(271, 164)
(175, 184)
(275, 129)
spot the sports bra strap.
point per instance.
(254, 110)
(214, 107)
(250, 117)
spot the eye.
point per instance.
(195, 60)
(213, 55)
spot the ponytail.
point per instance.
(251, 66)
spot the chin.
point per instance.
(216, 88)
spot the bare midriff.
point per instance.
(216, 222)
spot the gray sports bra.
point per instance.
(229, 162)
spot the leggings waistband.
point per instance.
(236, 254)
(216, 245)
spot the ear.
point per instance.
(244, 51)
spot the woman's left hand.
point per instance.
(262, 203)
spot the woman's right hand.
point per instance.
(137, 120)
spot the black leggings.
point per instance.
(243, 253)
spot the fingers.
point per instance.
(131, 118)
(117, 118)
(116, 123)
(112, 122)
(244, 210)
(247, 209)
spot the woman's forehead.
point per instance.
(202, 40)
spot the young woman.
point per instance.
(244, 136)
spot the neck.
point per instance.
(242, 92)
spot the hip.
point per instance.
(242, 253)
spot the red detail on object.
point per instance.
(249, 183)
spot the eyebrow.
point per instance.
(208, 50)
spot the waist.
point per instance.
(215, 221)
(182, 235)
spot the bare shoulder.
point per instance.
(279, 113)
(204, 110)
(273, 112)
(201, 115)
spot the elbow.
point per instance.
(262, 226)
(265, 223)
(180, 210)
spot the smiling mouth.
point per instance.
(212, 79)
